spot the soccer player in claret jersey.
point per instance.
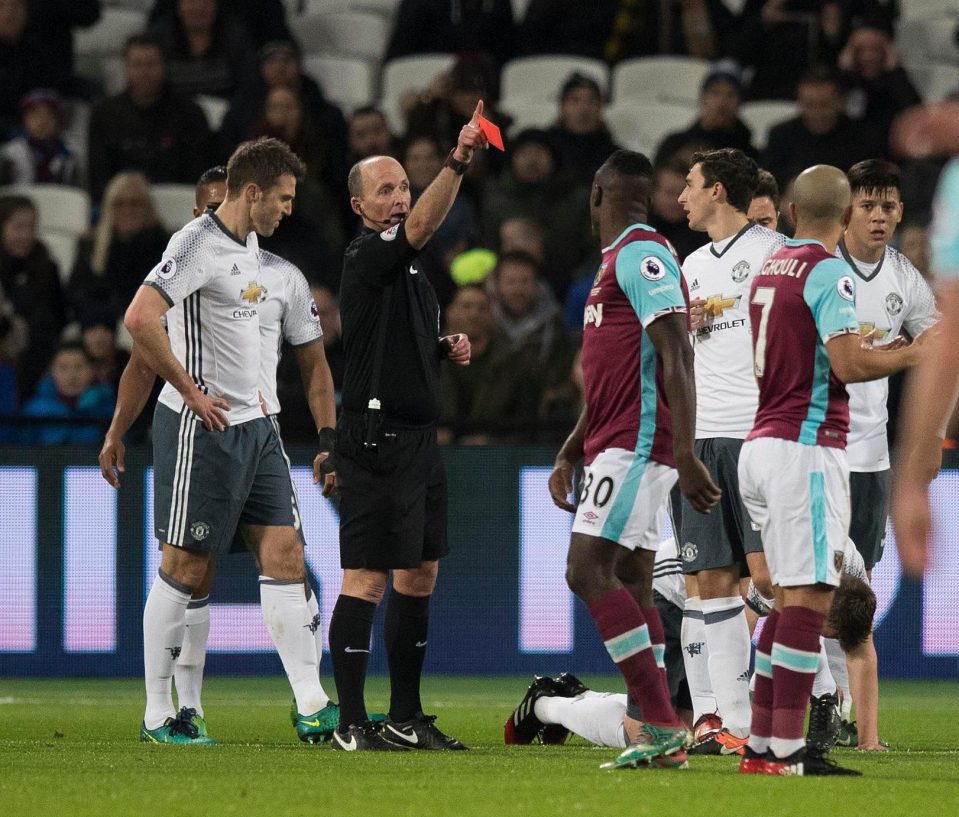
(635, 434)
(793, 474)
(721, 547)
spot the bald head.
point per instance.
(821, 196)
(370, 168)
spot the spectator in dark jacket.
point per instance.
(126, 244)
(208, 51)
(71, 392)
(148, 127)
(23, 63)
(39, 155)
(31, 281)
(718, 124)
(263, 20)
(581, 137)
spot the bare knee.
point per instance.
(368, 585)
(205, 587)
(418, 581)
(185, 567)
(590, 566)
(278, 551)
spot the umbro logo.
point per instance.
(235, 270)
(590, 516)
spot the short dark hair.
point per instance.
(578, 80)
(13, 203)
(820, 75)
(261, 162)
(874, 176)
(212, 175)
(851, 612)
(367, 110)
(733, 169)
(141, 41)
(767, 187)
(517, 257)
(629, 163)
(71, 346)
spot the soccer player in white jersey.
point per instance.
(721, 547)
(289, 315)
(891, 297)
(219, 463)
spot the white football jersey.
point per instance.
(722, 273)
(890, 296)
(287, 313)
(668, 578)
(212, 282)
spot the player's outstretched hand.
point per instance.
(111, 460)
(211, 410)
(697, 485)
(561, 485)
(697, 314)
(458, 348)
(471, 137)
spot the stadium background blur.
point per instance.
(102, 138)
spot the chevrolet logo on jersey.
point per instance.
(254, 293)
(717, 304)
(866, 328)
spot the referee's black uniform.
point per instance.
(390, 475)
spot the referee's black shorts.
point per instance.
(392, 499)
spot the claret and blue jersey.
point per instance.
(638, 281)
(801, 299)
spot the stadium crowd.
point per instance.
(513, 262)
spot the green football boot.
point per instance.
(318, 727)
(178, 731)
(655, 743)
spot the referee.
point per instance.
(389, 473)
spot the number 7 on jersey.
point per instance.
(763, 297)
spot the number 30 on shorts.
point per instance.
(600, 494)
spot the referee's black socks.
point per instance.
(407, 622)
(350, 627)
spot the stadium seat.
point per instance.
(350, 83)
(761, 115)
(311, 7)
(112, 74)
(63, 250)
(109, 34)
(540, 78)
(528, 113)
(641, 125)
(406, 74)
(386, 8)
(916, 9)
(666, 79)
(343, 33)
(214, 108)
(62, 209)
(174, 204)
(935, 81)
(928, 39)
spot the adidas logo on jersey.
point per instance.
(235, 270)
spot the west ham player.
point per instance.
(218, 459)
(721, 547)
(793, 473)
(635, 433)
(288, 314)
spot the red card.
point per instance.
(492, 133)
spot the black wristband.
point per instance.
(454, 164)
(326, 439)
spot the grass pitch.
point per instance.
(69, 747)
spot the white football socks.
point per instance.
(824, 683)
(696, 658)
(837, 666)
(289, 621)
(595, 716)
(164, 620)
(317, 626)
(188, 673)
(727, 635)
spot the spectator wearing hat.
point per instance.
(39, 154)
(148, 127)
(208, 51)
(821, 134)
(116, 256)
(455, 26)
(718, 124)
(581, 137)
(534, 186)
(877, 86)
(69, 391)
(280, 65)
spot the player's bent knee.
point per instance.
(419, 581)
(185, 567)
(368, 585)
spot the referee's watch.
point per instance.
(454, 164)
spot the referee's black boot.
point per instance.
(420, 732)
(364, 737)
